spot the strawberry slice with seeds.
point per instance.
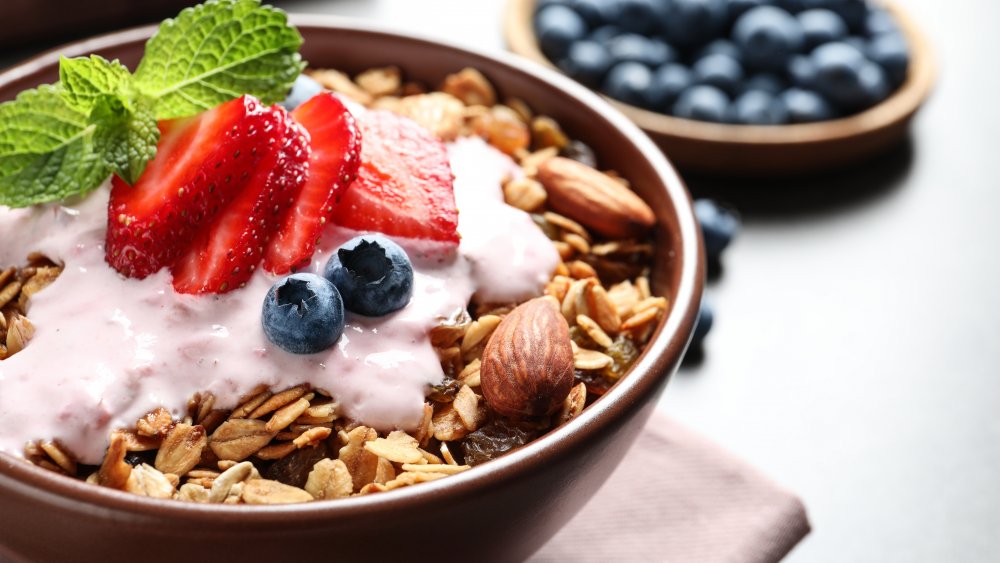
(224, 254)
(405, 186)
(201, 163)
(333, 164)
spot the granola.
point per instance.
(295, 445)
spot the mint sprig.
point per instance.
(65, 139)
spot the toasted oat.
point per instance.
(19, 332)
(341, 83)
(193, 493)
(384, 81)
(547, 133)
(525, 194)
(602, 309)
(467, 406)
(312, 437)
(223, 484)
(479, 332)
(565, 250)
(58, 454)
(276, 451)
(155, 424)
(448, 425)
(320, 414)
(136, 443)
(624, 295)
(425, 431)
(414, 477)
(446, 454)
(249, 403)
(9, 292)
(275, 402)
(578, 243)
(286, 415)
(594, 331)
(181, 449)
(574, 403)
(471, 87)
(589, 360)
(373, 488)
(147, 481)
(240, 438)
(398, 446)
(265, 491)
(470, 374)
(447, 469)
(641, 319)
(114, 472)
(329, 479)
(43, 277)
(578, 269)
(361, 463)
(440, 113)
(568, 225)
(451, 360)
(385, 471)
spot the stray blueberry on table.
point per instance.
(303, 88)
(373, 274)
(719, 226)
(303, 314)
(706, 317)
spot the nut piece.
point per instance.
(527, 366)
(594, 199)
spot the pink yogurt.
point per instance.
(107, 349)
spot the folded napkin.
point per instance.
(679, 498)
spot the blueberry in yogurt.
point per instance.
(373, 274)
(303, 314)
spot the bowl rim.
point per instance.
(899, 106)
(654, 365)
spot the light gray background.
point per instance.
(856, 348)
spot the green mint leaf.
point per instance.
(218, 51)
(86, 79)
(47, 149)
(127, 139)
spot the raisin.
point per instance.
(580, 152)
(496, 438)
(294, 468)
(623, 353)
(445, 391)
(138, 458)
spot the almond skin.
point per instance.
(594, 199)
(527, 366)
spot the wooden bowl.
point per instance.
(755, 150)
(500, 511)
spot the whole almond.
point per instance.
(594, 199)
(527, 366)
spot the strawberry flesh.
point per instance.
(333, 164)
(201, 164)
(405, 187)
(224, 254)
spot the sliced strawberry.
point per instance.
(333, 164)
(201, 163)
(224, 254)
(405, 187)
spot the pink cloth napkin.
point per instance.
(679, 498)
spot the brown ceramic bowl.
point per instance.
(501, 511)
(761, 151)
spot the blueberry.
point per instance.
(303, 88)
(557, 27)
(758, 108)
(587, 62)
(638, 48)
(838, 74)
(802, 71)
(853, 12)
(720, 47)
(764, 82)
(637, 16)
(703, 325)
(892, 53)
(721, 71)
(627, 82)
(719, 226)
(768, 37)
(604, 34)
(821, 26)
(595, 12)
(805, 106)
(736, 8)
(668, 82)
(874, 84)
(373, 274)
(303, 314)
(878, 22)
(704, 103)
(689, 23)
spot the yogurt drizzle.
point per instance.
(107, 350)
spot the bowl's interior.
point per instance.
(350, 46)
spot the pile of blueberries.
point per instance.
(759, 62)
